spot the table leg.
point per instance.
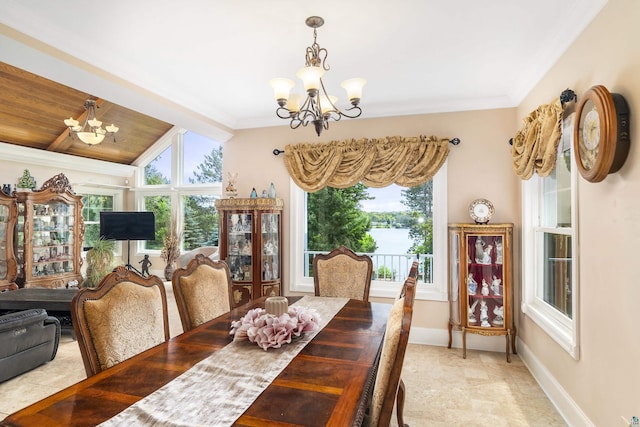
(508, 338)
(450, 337)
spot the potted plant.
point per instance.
(26, 182)
(99, 262)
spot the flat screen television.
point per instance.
(127, 225)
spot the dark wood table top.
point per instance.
(326, 384)
(26, 298)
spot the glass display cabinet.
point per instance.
(251, 243)
(480, 288)
(8, 215)
(48, 236)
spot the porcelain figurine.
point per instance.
(499, 319)
(472, 316)
(479, 249)
(485, 288)
(495, 285)
(473, 285)
(484, 315)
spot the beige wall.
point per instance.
(604, 382)
(478, 167)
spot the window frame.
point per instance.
(118, 202)
(562, 329)
(176, 188)
(436, 291)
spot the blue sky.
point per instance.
(196, 147)
(387, 199)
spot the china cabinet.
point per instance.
(8, 266)
(48, 235)
(480, 287)
(251, 243)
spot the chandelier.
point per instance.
(91, 131)
(318, 107)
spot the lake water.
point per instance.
(391, 240)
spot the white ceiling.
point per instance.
(206, 64)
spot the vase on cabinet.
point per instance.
(168, 271)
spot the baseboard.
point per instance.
(566, 406)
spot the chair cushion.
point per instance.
(342, 276)
(126, 321)
(387, 359)
(206, 294)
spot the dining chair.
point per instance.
(388, 385)
(124, 315)
(413, 271)
(202, 290)
(413, 274)
(8, 287)
(342, 273)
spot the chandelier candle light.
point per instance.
(319, 107)
(91, 131)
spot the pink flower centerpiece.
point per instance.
(268, 330)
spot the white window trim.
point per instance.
(436, 291)
(562, 329)
(118, 201)
(176, 189)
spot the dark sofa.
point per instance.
(28, 339)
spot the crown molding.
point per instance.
(17, 153)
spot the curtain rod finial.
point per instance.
(277, 152)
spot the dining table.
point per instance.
(199, 378)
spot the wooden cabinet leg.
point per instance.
(464, 343)
(508, 338)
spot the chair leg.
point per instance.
(400, 404)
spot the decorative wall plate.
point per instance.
(481, 211)
(601, 133)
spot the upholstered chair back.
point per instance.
(124, 315)
(391, 359)
(202, 290)
(342, 273)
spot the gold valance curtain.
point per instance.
(536, 143)
(374, 162)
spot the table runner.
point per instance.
(220, 388)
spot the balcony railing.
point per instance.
(387, 267)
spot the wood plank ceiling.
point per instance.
(32, 110)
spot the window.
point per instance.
(318, 213)
(550, 284)
(160, 205)
(93, 204)
(96, 200)
(185, 177)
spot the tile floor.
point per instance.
(443, 389)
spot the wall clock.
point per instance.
(481, 211)
(601, 133)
